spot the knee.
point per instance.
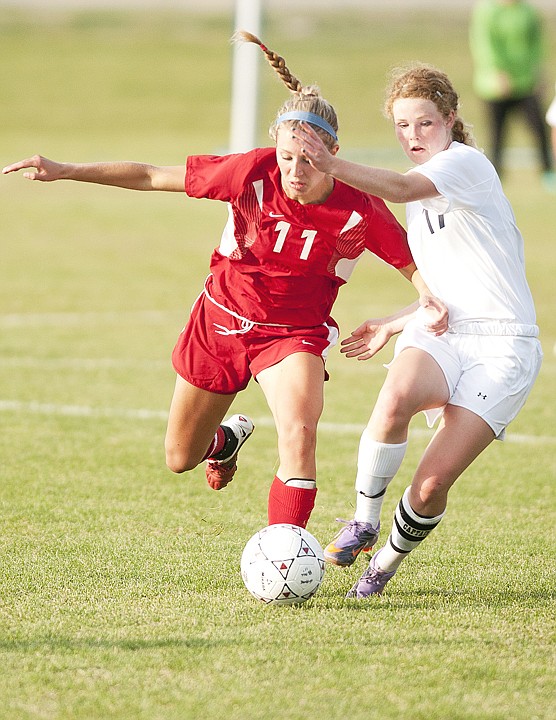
(301, 435)
(429, 497)
(392, 409)
(179, 461)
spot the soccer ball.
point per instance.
(282, 565)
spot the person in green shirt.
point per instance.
(506, 43)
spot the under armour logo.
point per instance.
(480, 394)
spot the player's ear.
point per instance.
(335, 149)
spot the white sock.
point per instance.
(409, 529)
(377, 464)
(303, 483)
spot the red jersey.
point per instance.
(281, 262)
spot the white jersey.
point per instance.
(468, 248)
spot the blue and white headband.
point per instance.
(309, 117)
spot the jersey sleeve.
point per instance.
(462, 175)
(387, 239)
(220, 177)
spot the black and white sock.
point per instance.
(409, 529)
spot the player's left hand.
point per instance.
(366, 340)
(437, 314)
(313, 148)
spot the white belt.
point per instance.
(495, 327)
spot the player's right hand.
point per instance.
(44, 169)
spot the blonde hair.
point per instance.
(428, 83)
(303, 98)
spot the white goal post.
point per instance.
(245, 78)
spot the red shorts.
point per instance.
(221, 353)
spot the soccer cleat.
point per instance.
(220, 472)
(350, 541)
(372, 581)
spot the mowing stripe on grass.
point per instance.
(69, 363)
(36, 408)
(67, 319)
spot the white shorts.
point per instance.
(491, 375)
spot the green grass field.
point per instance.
(120, 593)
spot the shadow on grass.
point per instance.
(72, 644)
(456, 600)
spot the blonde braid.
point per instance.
(306, 98)
(274, 60)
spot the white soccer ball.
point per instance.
(282, 565)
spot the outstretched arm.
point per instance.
(131, 175)
(387, 184)
(372, 335)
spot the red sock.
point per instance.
(287, 504)
(217, 443)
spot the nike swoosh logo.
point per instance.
(332, 550)
(306, 342)
(275, 214)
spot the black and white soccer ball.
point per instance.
(282, 565)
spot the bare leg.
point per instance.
(195, 415)
(461, 437)
(294, 391)
(414, 382)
